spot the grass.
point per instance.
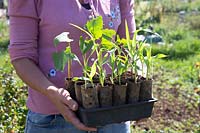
(3, 57)
(4, 40)
(181, 49)
(182, 37)
(176, 78)
(3, 33)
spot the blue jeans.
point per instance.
(40, 123)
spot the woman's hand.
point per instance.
(66, 105)
(29, 72)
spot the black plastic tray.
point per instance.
(115, 114)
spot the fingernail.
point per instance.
(74, 107)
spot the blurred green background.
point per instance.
(176, 78)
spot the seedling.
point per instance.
(61, 58)
(102, 41)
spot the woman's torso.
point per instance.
(54, 18)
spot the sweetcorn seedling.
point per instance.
(136, 49)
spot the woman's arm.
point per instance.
(32, 76)
(23, 50)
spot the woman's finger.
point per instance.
(71, 117)
(66, 99)
(81, 126)
(66, 105)
(72, 104)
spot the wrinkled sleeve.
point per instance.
(23, 29)
(127, 13)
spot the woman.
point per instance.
(33, 26)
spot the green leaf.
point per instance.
(68, 50)
(134, 41)
(124, 44)
(59, 60)
(93, 70)
(70, 56)
(80, 78)
(112, 59)
(110, 33)
(76, 78)
(127, 35)
(148, 52)
(159, 56)
(107, 39)
(63, 37)
(147, 62)
(95, 27)
(118, 40)
(105, 58)
(85, 45)
(107, 45)
(122, 64)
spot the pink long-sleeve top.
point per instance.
(35, 23)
